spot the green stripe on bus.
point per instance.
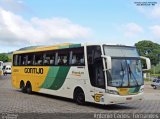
(74, 45)
(55, 77)
(134, 90)
(60, 78)
(63, 47)
(51, 76)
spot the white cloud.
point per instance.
(132, 29)
(150, 12)
(13, 5)
(155, 12)
(155, 30)
(16, 30)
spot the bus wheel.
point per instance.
(29, 88)
(22, 87)
(79, 97)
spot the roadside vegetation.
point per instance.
(5, 58)
(151, 50)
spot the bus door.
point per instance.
(96, 73)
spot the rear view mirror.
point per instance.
(148, 63)
(108, 61)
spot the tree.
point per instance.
(4, 57)
(149, 49)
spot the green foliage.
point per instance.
(155, 75)
(155, 69)
(10, 56)
(146, 79)
(150, 50)
(4, 57)
(147, 71)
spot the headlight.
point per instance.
(112, 92)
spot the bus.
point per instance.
(1, 68)
(102, 74)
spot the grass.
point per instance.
(155, 75)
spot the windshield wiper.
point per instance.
(122, 69)
(131, 73)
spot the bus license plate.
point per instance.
(129, 98)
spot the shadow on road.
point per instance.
(105, 107)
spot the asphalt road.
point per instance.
(15, 102)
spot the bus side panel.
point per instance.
(55, 80)
(73, 77)
(35, 75)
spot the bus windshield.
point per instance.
(125, 72)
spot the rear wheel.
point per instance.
(79, 97)
(22, 87)
(29, 88)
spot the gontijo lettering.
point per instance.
(34, 70)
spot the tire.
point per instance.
(29, 88)
(79, 97)
(22, 87)
(154, 87)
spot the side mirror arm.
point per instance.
(148, 63)
(108, 62)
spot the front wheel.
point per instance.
(80, 97)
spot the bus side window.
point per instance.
(15, 60)
(63, 57)
(23, 60)
(77, 57)
(49, 58)
(30, 59)
(38, 60)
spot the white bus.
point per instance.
(102, 74)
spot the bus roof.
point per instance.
(53, 47)
(63, 46)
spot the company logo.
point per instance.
(98, 97)
(33, 70)
(77, 73)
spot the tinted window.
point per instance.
(38, 59)
(30, 59)
(49, 58)
(154, 80)
(23, 60)
(95, 66)
(62, 57)
(15, 60)
(77, 57)
(158, 81)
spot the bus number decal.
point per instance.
(97, 97)
(34, 70)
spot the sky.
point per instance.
(47, 22)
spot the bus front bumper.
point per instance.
(118, 99)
